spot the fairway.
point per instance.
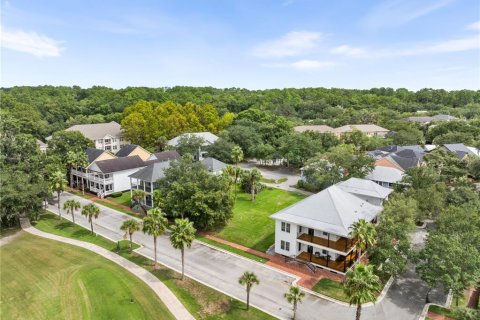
(251, 224)
(45, 279)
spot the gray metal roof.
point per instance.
(126, 150)
(364, 187)
(165, 155)
(385, 174)
(331, 210)
(152, 172)
(213, 165)
(119, 164)
(93, 154)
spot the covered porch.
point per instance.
(342, 244)
(340, 264)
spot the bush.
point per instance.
(116, 194)
(245, 186)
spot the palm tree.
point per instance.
(182, 236)
(71, 206)
(361, 286)
(237, 154)
(58, 183)
(137, 197)
(130, 226)
(294, 297)
(365, 233)
(248, 279)
(91, 211)
(253, 177)
(155, 224)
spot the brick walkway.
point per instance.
(308, 278)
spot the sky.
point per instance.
(255, 44)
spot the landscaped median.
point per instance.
(201, 301)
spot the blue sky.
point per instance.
(252, 44)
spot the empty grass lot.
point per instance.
(46, 279)
(202, 302)
(124, 199)
(331, 288)
(251, 224)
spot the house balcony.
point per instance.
(341, 264)
(343, 245)
(100, 180)
(78, 173)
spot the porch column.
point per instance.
(346, 245)
(328, 259)
(131, 188)
(328, 239)
(145, 191)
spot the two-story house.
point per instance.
(317, 229)
(146, 179)
(106, 136)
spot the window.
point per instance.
(115, 147)
(122, 139)
(100, 141)
(299, 229)
(299, 246)
(325, 233)
(284, 245)
(324, 251)
(114, 140)
(286, 227)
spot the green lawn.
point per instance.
(331, 288)
(250, 225)
(50, 223)
(202, 301)
(118, 208)
(124, 199)
(232, 249)
(45, 279)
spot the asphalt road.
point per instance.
(221, 270)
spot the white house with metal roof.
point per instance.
(316, 229)
(366, 190)
(146, 179)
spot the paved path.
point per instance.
(168, 298)
(277, 172)
(221, 270)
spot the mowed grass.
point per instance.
(124, 199)
(331, 288)
(251, 224)
(45, 279)
(202, 301)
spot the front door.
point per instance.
(310, 232)
(309, 249)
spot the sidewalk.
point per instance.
(168, 298)
(308, 278)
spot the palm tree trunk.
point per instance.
(456, 300)
(83, 187)
(183, 262)
(91, 225)
(359, 311)
(252, 191)
(59, 212)
(427, 297)
(73, 217)
(235, 187)
(71, 178)
(155, 253)
(294, 309)
(248, 299)
(131, 247)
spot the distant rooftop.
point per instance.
(364, 187)
(97, 130)
(315, 128)
(208, 137)
(365, 128)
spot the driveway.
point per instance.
(277, 172)
(221, 270)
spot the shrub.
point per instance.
(116, 194)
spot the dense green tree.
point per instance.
(297, 148)
(181, 237)
(361, 286)
(221, 150)
(190, 144)
(130, 226)
(248, 279)
(252, 178)
(190, 191)
(237, 154)
(155, 224)
(474, 167)
(64, 141)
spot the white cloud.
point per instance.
(474, 26)
(348, 51)
(312, 64)
(30, 42)
(291, 44)
(454, 45)
(394, 13)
